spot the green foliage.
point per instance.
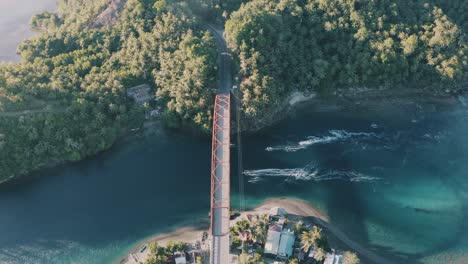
(283, 45)
(299, 228)
(314, 238)
(293, 261)
(67, 100)
(257, 228)
(257, 259)
(45, 20)
(186, 76)
(236, 243)
(350, 258)
(245, 258)
(319, 254)
(160, 255)
(173, 247)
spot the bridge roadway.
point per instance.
(220, 161)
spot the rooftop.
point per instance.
(141, 93)
(332, 258)
(278, 211)
(275, 228)
(286, 245)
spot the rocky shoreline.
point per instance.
(363, 99)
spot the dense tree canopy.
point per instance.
(284, 45)
(66, 99)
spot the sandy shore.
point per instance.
(296, 209)
(190, 233)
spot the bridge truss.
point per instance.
(220, 180)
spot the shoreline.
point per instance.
(147, 127)
(296, 208)
(343, 100)
(362, 99)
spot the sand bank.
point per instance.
(296, 209)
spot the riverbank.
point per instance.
(363, 99)
(358, 99)
(297, 210)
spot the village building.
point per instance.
(273, 239)
(179, 258)
(141, 93)
(286, 244)
(279, 242)
(332, 258)
(278, 211)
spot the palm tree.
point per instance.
(298, 227)
(350, 258)
(259, 226)
(242, 231)
(319, 254)
(306, 241)
(310, 238)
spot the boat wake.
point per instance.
(332, 136)
(308, 173)
(368, 141)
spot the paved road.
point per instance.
(29, 112)
(224, 63)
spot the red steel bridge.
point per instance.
(220, 159)
(220, 180)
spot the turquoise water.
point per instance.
(395, 182)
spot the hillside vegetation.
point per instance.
(74, 76)
(67, 100)
(286, 45)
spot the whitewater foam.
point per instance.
(332, 136)
(307, 173)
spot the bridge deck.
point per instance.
(220, 180)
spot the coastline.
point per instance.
(357, 99)
(296, 208)
(363, 99)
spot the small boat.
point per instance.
(143, 248)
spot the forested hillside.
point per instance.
(283, 45)
(66, 99)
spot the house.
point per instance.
(193, 254)
(299, 254)
(286, 244)
(278, 211)
(179, 258)
(279, 242)
(155, 113)
(332, 258)
(273, 239)
(141, 93)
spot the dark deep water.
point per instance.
(394, 181)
